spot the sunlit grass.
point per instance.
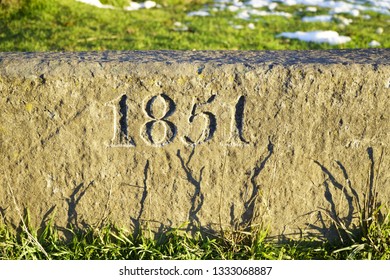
(113, 243)
(67, 25)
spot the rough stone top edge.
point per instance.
(285, 58)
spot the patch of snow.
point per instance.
(178, 26)
(244, 9)
(238, 26)
(219, 7)
(243, 15)
(200, 13)
(266, 13)
(345, 10)
(258, 3)
(374, 44)
(149, 4)
(343, 20)
(320, 18)
(354, 13)
(134, 6)
(272, 6)
(328, 18)
(311, 9)
(96, 3)
(301, 2)
(330, 37)
(379, 30)
(238, 4)
(233, 8)
(350, 7)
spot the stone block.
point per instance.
(290, 140)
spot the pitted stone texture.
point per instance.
(213, 139)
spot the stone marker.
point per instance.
(209, 140)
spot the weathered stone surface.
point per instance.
(216, 139)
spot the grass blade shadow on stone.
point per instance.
(73, 201)
(342, 224)
(243, 229)
(197, 198)
(372, 233)
(138, 221)
(250, 201)
(371, 208)
(113, 243)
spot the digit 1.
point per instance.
(121, 136)
(236, 137)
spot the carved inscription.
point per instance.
(121, 136)
(169, 129)
(209, 120)
(236, 137)
(158, 130)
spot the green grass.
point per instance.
(67, 25)
(110, 242)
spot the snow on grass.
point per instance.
(258, 3)
(379, 30)
(133, 6)
(233, 8)
(342, 20)
(96, 3)
(180, 27)
(328, 18)
(266, 13)
(320, 18)
(311, 9)
(330, 37)
(352, 7)
(251, 26)
(244, 15)
(200, 13)
(240, 26)
(246, 10)
(374, 44)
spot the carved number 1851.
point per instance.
(122, 137)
